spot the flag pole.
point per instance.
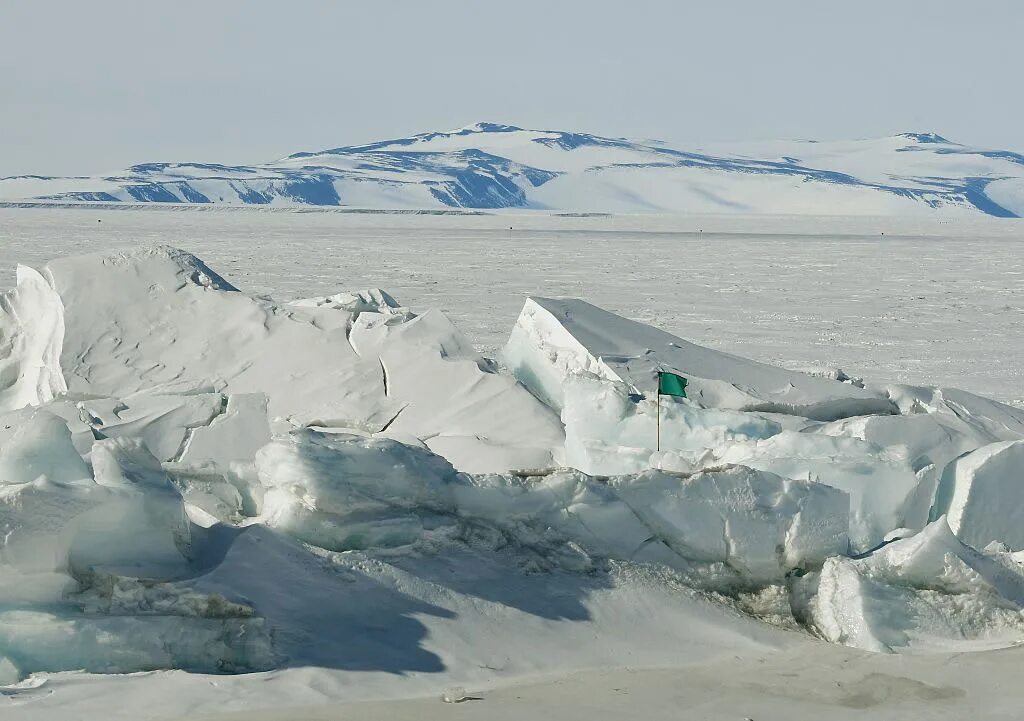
(659, 413)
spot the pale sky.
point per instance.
(91, 87)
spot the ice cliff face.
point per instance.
(492, 166)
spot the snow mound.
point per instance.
(160, 321)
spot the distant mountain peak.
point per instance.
(926, 138)
(485, 127)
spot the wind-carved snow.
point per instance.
(493, 166)
(195, 478)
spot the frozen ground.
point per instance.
(933, 301)
(217, 502)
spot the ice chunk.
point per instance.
(937, 426)
(35, 443)
(569, 504)
(756, 522)
(454, 694)
(878, 483)
(926, 443)
(165, 423)
(122, 625)
(374, 301)
(980, 494)
(31, 337)
(989, 419)
(233, 436)
(80, 423)
(553, 339)
(342, 491)
(142, 529)
(43, 641)
(38, 525)
(926, 592)
(54, 531)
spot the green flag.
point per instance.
(669, 384)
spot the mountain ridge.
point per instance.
(497, 166)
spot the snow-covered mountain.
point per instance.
(487, 166)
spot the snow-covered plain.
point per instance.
(216, 501)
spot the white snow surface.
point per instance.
(341, 498)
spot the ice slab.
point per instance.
(879, 483)
(233, 436)
(756, 522)
(39, 522)
(342, 491)
(35, 443)
(555, 338)
(130, 519)
(142, 530)
(928, 592)
(31, 337)
(165, 423)
(43, 641)
(980, 495)
(611, 431)
(988, 418)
